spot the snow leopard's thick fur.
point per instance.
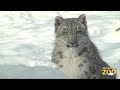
(74, 53)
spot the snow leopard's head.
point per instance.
(70, 30)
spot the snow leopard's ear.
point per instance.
(58, 21)
(82, 19)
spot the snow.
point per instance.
(27, 38)
(26, 72)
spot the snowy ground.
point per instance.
(26, 41)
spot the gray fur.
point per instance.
(118, 29)
(74, 52)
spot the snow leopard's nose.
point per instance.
(72, 44)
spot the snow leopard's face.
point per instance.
(69, 31)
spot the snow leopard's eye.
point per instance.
(63, 32)
(63, 28)
(79, 32)
(66, 33)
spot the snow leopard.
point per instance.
(74, 53)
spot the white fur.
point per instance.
(70, 64)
